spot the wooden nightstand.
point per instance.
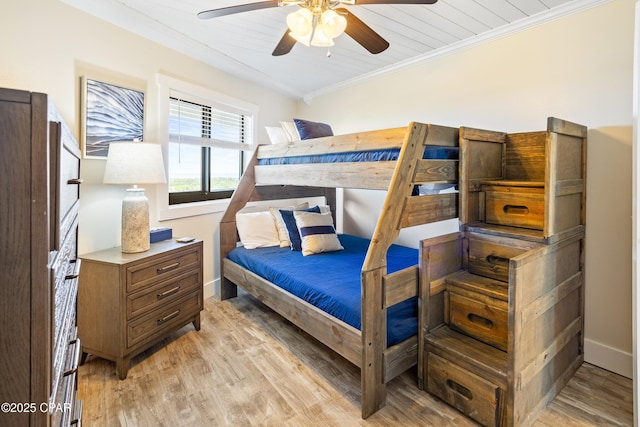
(128, 302)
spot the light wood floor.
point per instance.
(247, 366)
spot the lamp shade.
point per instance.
(134, 163)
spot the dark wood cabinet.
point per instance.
(39, 352)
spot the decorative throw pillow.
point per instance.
(277, 135)
(291, 131)
(308, 129)
(317, 233)
(283, 233)
(257, 229)
(292, 228)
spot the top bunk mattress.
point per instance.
(331, 280)
(430, 152)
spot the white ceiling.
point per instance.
(241, 44)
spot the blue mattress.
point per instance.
(331, 281)
(430, 152)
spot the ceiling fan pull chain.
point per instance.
(328, 53)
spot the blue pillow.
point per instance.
(308, 130)
(292, 228)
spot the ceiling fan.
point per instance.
(318, 22)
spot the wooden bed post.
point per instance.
(228, 231)
(374, 342)
(374, 315)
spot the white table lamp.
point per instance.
(134, 163)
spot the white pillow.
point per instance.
(317, 232)
(257, 229)
(426, 189)
(277, 135)
(281, 227)
(291, 131)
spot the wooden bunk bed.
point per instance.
(367, 347)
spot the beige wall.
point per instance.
(47, 46)
(577, 68)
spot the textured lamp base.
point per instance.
(135, 221)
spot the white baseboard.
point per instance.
(609, 358)
(211, 289)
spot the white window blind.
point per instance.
(206, 141)
(196, 123)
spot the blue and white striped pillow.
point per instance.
(316, 232)
(290, 222)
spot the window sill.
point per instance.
(185, 210)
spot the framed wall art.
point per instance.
(111, 113)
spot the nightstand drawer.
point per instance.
(149, 273)
(167, 317)
(164, 292)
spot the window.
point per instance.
(205, 159)
(206, 137)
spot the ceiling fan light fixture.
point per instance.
(305, 40)
(300, 22)
(332, 23)
(320, 39)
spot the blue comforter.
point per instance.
(430, 152)
(331, 281)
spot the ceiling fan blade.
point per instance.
(363, 34)
(229, 10)
(285, 45)
(361, 2)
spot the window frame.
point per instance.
(206, 193)
(168, 86)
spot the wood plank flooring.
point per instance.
(249, 367)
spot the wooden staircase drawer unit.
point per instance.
(478, 306)
(532, 293)
(162, 293)
(534, 181)
(485, 320)
(469, 393)
(149, 273)
(165, 318)
(491, 257)
(515, 206)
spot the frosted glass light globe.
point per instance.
(320, 39)
(332, 23)
(300, 22)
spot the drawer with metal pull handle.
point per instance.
(151, 272)
(168, 316)
(162, 293)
